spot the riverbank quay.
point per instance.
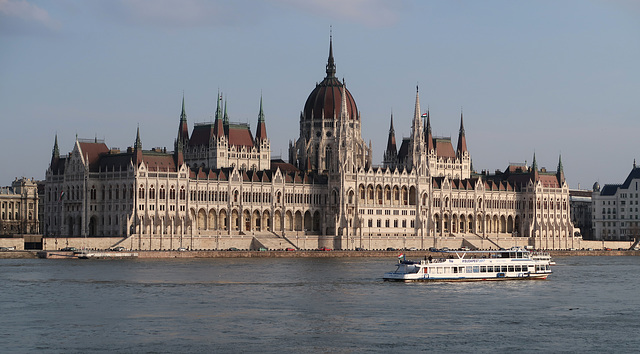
(288, 254)
(18, 254)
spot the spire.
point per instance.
(218, 128)
(462, 140)
(331, 66)
(391, 153)
(183, 115)
(218, 108)
(634, 160)
(183, 128)
(560, 169)
(261, 113)
(429, 135)
(56, 151)
(138, 147)
(560, 172)
(225, 120)
(534, 164)
(138, 144)
(261, 130)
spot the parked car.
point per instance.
(433, 249)
(262, 249)
(182, 249)
(232, 249)
(359, 249)
(324, 249)
(290, 249)
(72, 249)
(391, 249)
(412, 249)
(118, 249)
(12, 248)
(445, 249)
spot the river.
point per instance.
(338, 305)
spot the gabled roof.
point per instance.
(92, 151)
(202, 134)
(611, 189)
(240, 135)
(444, 148)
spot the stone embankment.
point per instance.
(295, 254)
(320, 254)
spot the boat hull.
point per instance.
(496, 278)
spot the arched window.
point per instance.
(152, 192)
(172, 193)
(141, 192)
(183, 194)
(162, 192)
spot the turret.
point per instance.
(183, 128)
(462, 141)
(391, 153)
(560, 171)
(261, 129)
(137, 148)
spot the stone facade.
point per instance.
(615, 209)
(19, 208)
(220, 188)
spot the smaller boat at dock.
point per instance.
(512, 264)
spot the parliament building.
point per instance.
(220, 188)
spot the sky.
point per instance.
(550, 78)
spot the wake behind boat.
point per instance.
(512, 264)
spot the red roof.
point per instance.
(240, 135)
(92, 151)
(444, 148)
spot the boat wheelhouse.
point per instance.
(512, 264)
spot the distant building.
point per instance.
(615, 209)
(580, 202)
(19, 208)
(220, 184)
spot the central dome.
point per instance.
(326, 98)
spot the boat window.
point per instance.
(469, 269)
(483, 269)
(476, 269)
(548, 267)
(489, 269)
(504, 269)
(439, 270)
(519, 255)
(518, 269)
(511, 268)
(455, 269)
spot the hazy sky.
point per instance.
(550, 77)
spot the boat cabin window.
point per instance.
(504, 269)
(483, 269)
(489, 269)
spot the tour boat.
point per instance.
(544, 256)
(513, 264)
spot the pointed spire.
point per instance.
(138, 147)
(218, 108)
(634, 163)
(138, 144)
(183, 115)
(392, 151)
(462, 140)
(183, 128)
(560, 168)
(261, 114)
(331, 65)
(560, 172)
(56, 151)
(261, 130)
(225, 120)
(534, 164)
(429, 135)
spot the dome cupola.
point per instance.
(326, 99)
